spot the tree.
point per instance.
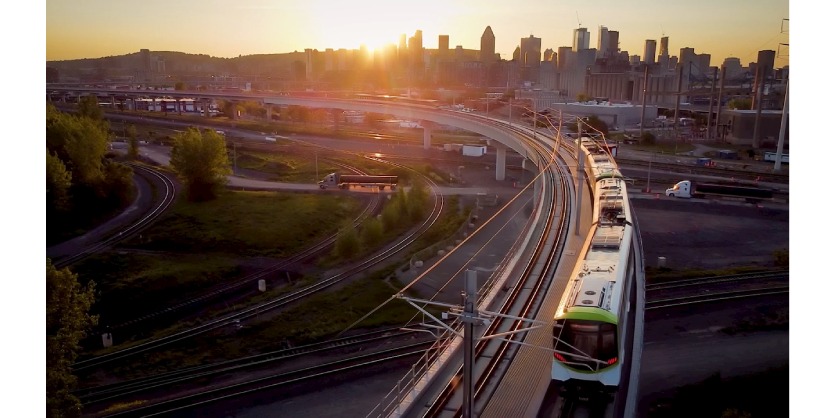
(740, 103)
(348, 242)
(372, 232)
(88, 107)
(67, 322)
(583, 97)
(201, 161)
(179, 85)
(596, 124)
(76, 147)
(58, 182)
(80, 142)
(416, 201)
(133, 142)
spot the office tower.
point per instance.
(402, 44)
(649, 51)
(487, 51)
(613, 35)
(664, 57)
(403, 52)
(663, 46)
(443, 47)
(733, 68)
(603, 42)
(580, 40)
(145, 65)
(530, 58)
(416, 47)
(549, 55)
(563, 57)
(704, 64)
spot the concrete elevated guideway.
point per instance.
(500, 137)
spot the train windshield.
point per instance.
(585, 345)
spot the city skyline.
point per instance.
(266, 27)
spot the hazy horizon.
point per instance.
(253, 27)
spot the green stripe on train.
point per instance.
(590, 314)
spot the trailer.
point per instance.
(772, 156)
(688, 189)
(345, 181)
(474, 150)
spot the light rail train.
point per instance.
(590, 322)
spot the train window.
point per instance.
(582, 342)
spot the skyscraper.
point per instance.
(403, 52)
(649, 51)
(612, 49)
(663, 46)
(487, 52)
(443, 43)
(664, 57)
(580, 40)
(416, 50)
(530, 58)
(603, 42)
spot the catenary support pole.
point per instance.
(779, 153)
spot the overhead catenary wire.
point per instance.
(552, 159)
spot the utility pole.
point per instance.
(579, 187)
(676, 108)
(779, 153)
(720, 101)
(711, 104)
(760, 80)
(644, 101)
(469, 318)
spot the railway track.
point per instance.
(523, 300)
(204, 396)
(104, 396)
(748, 175)
(717, 288)
(167, 193)
(373, 205)
(274, 304)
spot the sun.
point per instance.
(351, 25)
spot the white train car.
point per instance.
(589, 324)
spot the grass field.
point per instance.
(200, 245)
(273, 224)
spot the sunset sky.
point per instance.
(98, 28)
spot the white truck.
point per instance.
(690, 189)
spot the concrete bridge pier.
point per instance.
(500, 160)
(428, 129)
